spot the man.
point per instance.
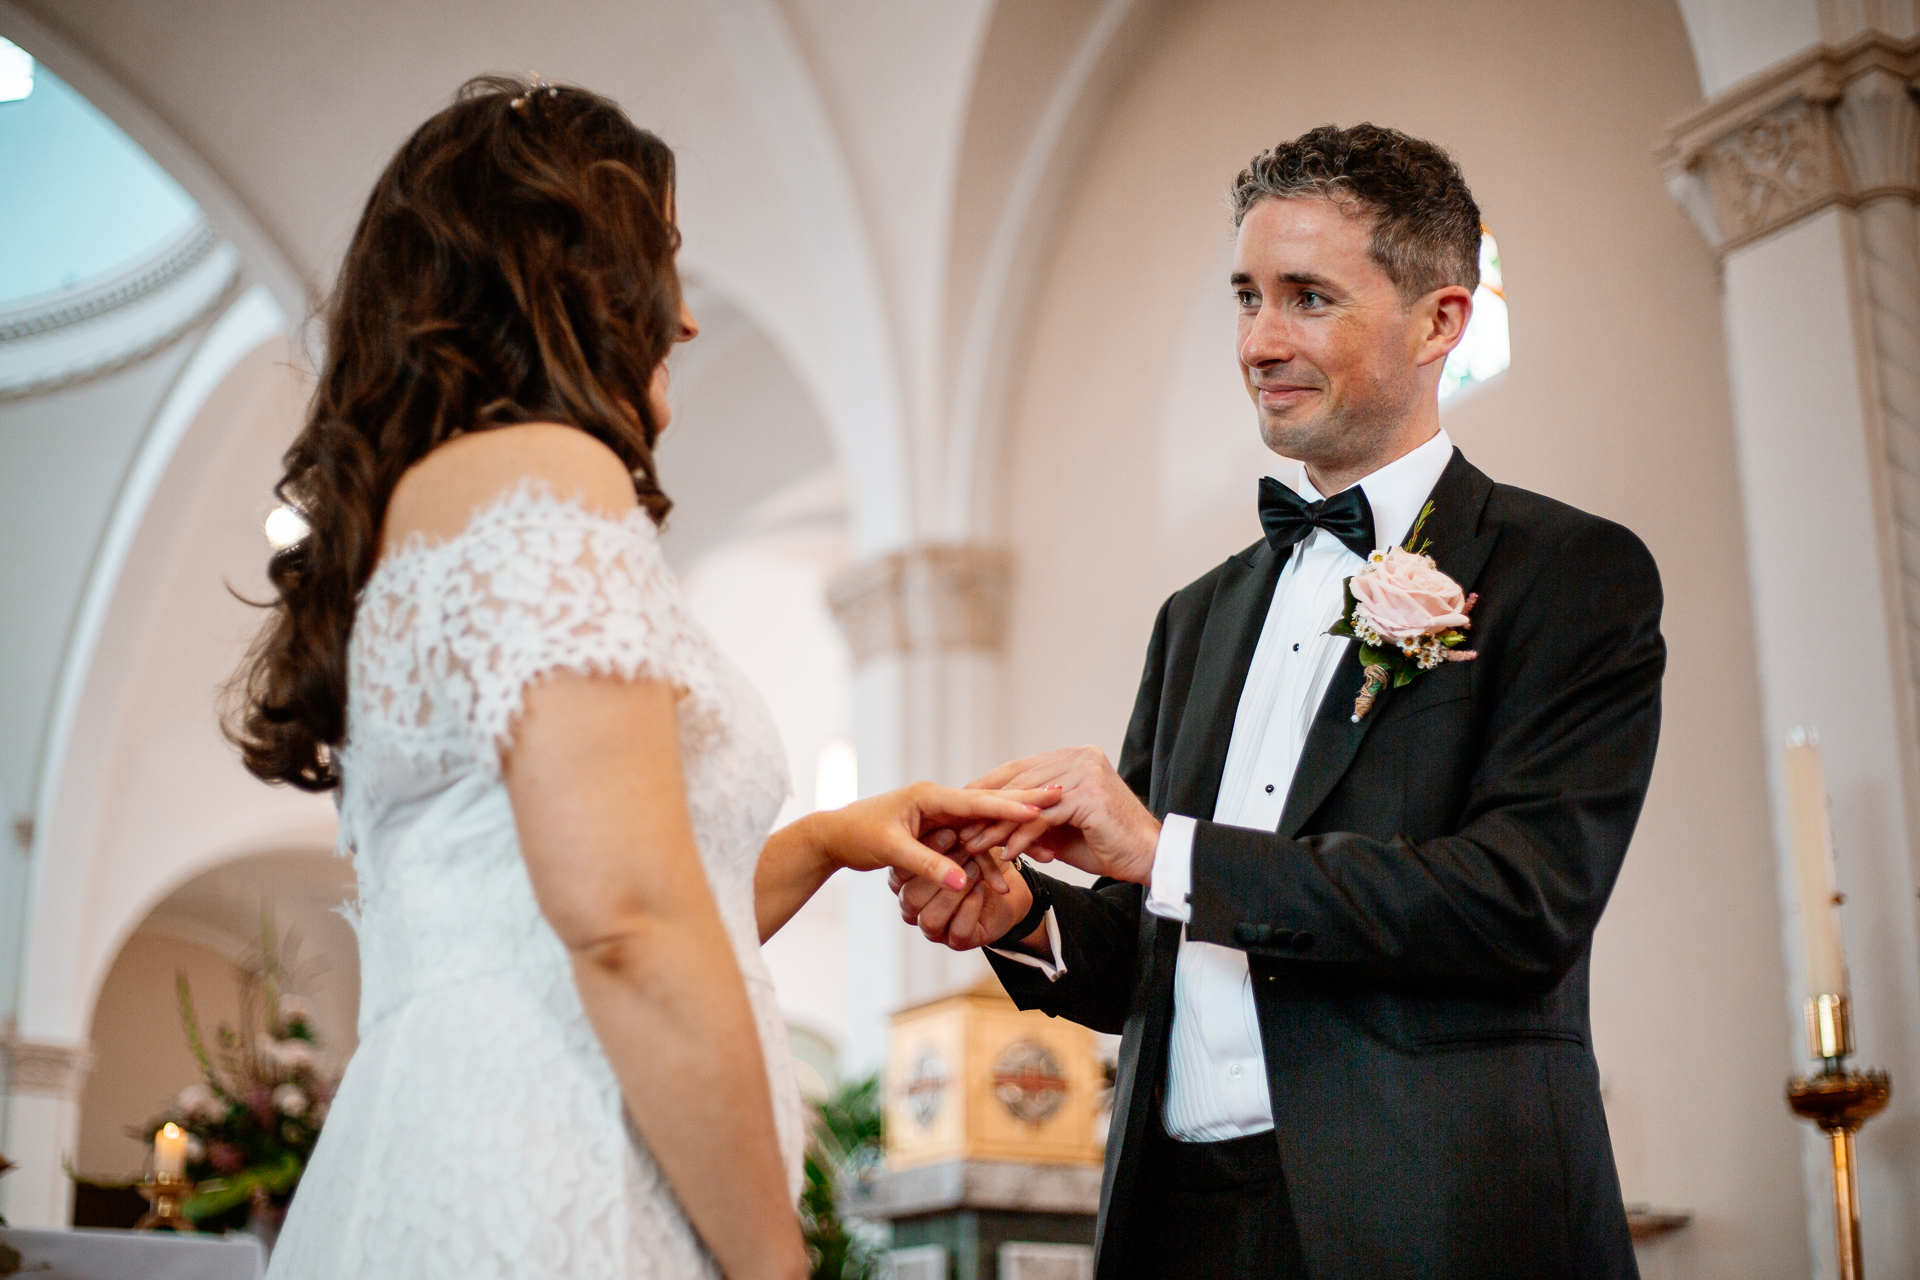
(1347, 944)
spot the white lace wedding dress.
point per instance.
(479, 1131)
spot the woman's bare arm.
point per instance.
(881, 831)
(599, 799)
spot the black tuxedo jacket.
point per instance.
(1418, 928)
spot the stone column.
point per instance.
(927, 627)
(43, 1110)
(1804, 180)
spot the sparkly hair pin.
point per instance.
(536, 84)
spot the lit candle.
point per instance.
(1811, 833)
(170, 1151)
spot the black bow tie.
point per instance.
(1288, 518)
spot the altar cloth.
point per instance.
(129, 1255)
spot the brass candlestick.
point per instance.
(1839, 1100)
(166, 1192)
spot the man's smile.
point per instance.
(1280, 395)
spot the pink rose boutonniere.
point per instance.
(1407, 615)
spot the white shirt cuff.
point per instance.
(1053, 970)
(1172, 878)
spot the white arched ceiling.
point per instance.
(228, 213)
(298, 109)
(850, 349)
(1044, 73)
(745, 427)
(88, 512)
(141, 791)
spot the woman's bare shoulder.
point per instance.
(438, 495)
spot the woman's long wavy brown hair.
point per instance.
(515, 263)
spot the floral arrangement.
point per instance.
(253, 1121)
(1407, 615)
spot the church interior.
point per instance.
(963, 411)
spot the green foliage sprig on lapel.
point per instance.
(1407, 616)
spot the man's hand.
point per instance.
(1099, 825)
(993, 901)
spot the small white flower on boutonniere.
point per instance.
(1407, 615)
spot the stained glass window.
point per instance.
(1483, 351)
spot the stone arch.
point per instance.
(1043, 75)
(209, 922)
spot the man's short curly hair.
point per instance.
(1426, 226)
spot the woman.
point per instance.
(558, 794)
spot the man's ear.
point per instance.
(1442, 322)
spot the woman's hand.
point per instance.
(888, 830)
(880, 831)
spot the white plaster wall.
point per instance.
(762, 596)
(140, 1055)
(150, 793)
(1129, 473)
(1804, 449)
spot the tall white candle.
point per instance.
(170, 1151)
(1811, 832)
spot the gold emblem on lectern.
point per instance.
(973, 1078)
(926, 1086)
(1029, 1082)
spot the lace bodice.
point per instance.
(468, 1005)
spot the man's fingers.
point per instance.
(941, 839)
(994, 836)
(943, 805)
(935, 915)
(992, 874)
(1024, 840)
(995, 779)
(965, 922)
(916, 893)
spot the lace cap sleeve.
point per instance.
(538, 584)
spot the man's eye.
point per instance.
(1312, 301)
(1246, 298)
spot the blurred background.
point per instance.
(964, 410)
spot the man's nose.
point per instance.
(1267, 340)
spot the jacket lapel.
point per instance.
(1460, 549)
(1227, 641)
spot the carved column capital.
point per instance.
(1830, 125)
(933, 598)
(47, 1070)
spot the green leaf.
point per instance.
(221, 1195)
(1404, 675)
(1372, 657)
(192, 1025)
(1341, 628)
(1413, 534)
(1453, 639)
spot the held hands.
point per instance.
(1098, 825)
(887, 830)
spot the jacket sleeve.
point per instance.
(1100, 925)
(1509, 901)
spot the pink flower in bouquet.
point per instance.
(226, 1158)
(1403, 596)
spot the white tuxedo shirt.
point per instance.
(1216, 1069)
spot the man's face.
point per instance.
(1330, 354)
